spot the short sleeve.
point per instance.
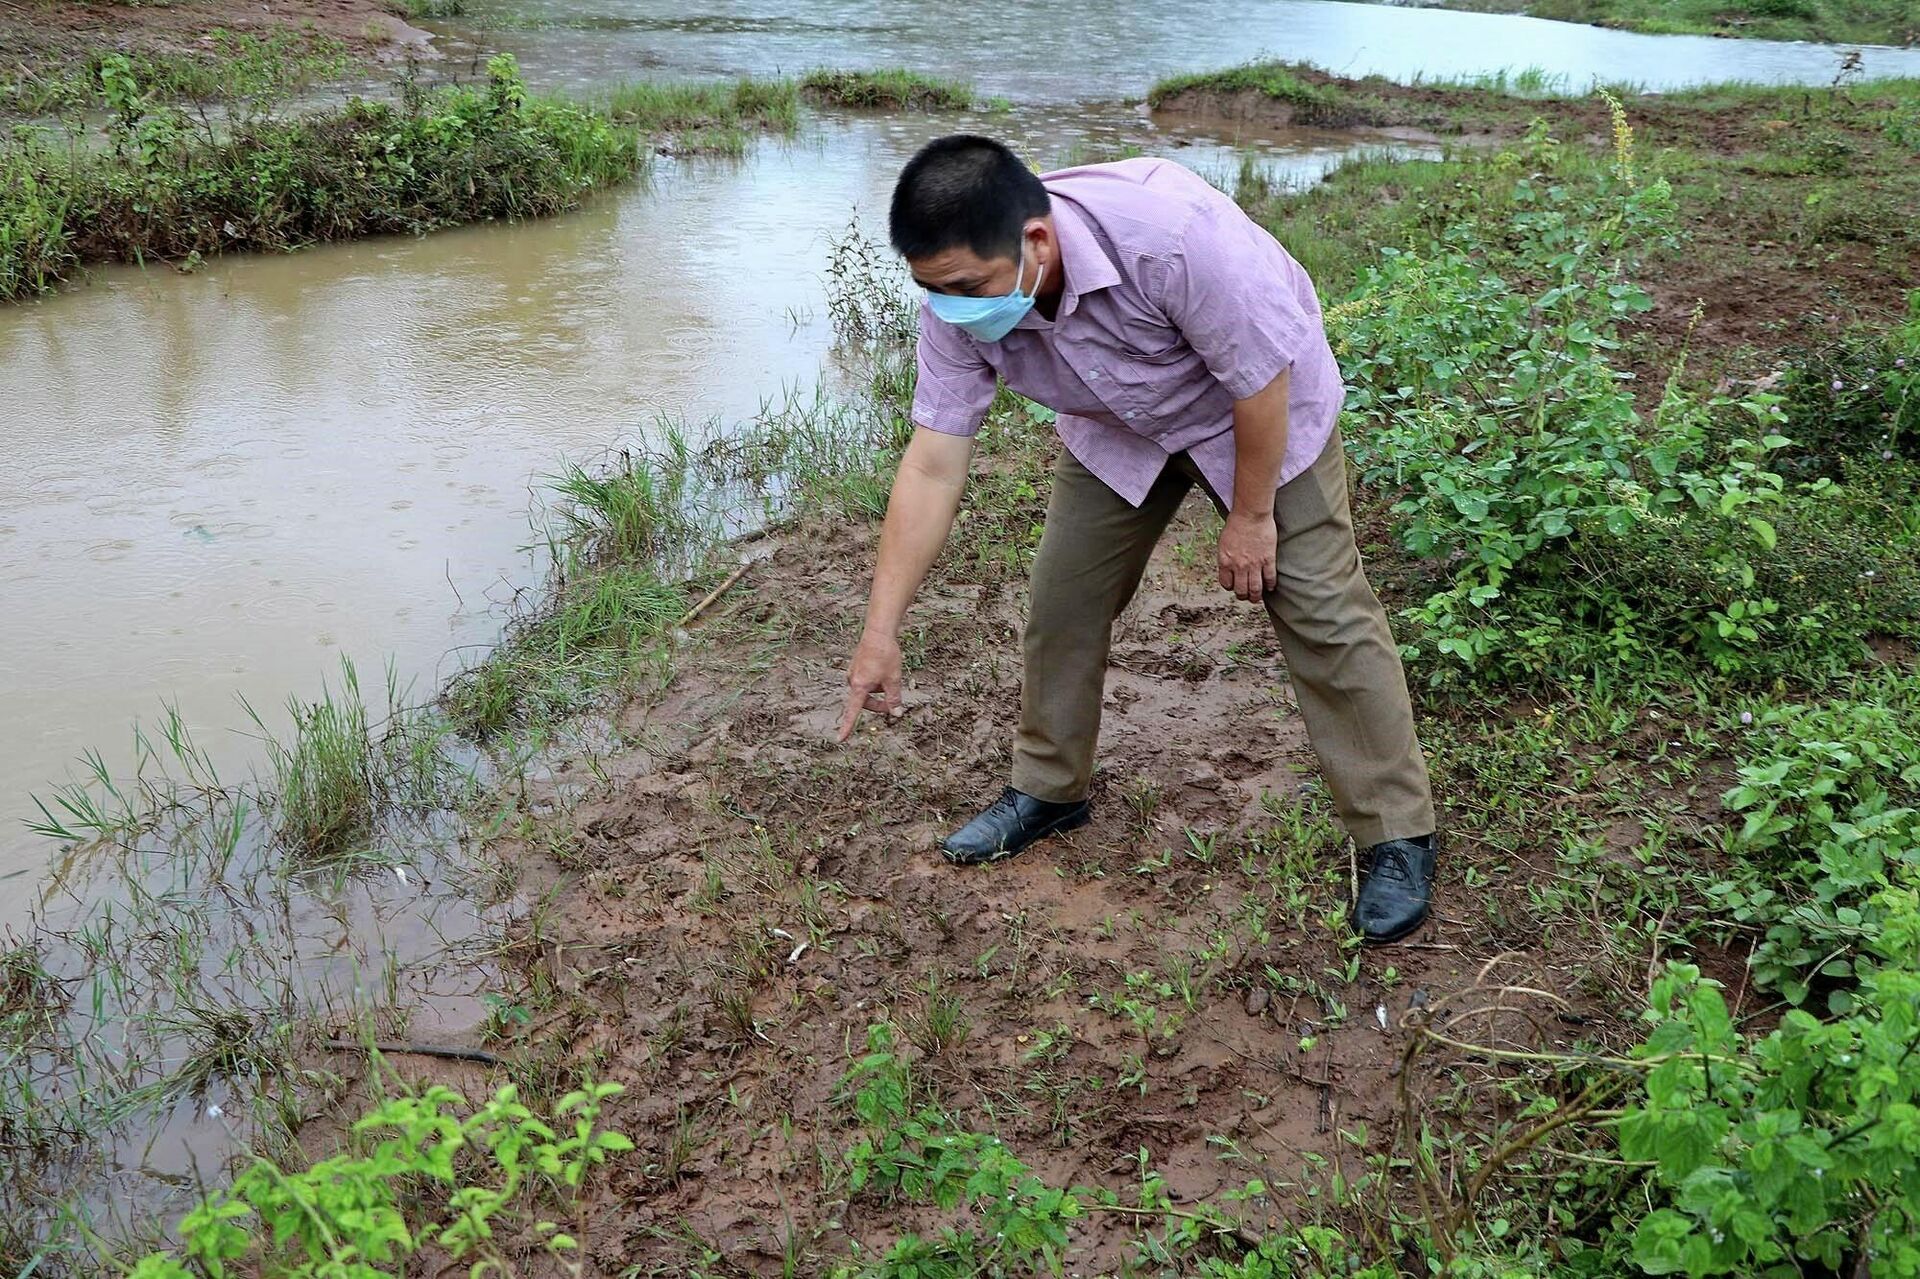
(1231, 291)
(955, 385)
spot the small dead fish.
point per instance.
(1380, 1015)
(798, 951)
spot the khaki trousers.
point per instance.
(1344, 664)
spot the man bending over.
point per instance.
(1179, 345)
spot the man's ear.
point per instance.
(1039, 235)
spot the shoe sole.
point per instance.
(1387, 939)
(1058, 826)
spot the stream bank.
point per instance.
(725, 1031)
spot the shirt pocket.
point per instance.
(1150, 340)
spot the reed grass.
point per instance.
(887, 89)
(326, 787)
(700, 117)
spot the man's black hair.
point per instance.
(964, 189)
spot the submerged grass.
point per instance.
(888, 89)
(695, 117)
(201, 933)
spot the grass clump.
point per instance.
(1312, 96)
(325, 778)
(166, 189)
(600, 631)
(430, 9)
(888, 89)
(619, 544)
(706, 118)
(36, 247)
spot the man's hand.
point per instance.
(926, 496)
(873, 681)
(1247, 548)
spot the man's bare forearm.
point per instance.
(1259, 446)
(920, 514)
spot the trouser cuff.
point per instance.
(1043, 789)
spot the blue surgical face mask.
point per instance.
(989, 319)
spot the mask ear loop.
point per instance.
(1039, 273)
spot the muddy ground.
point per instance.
(31, 29)
(736, 898)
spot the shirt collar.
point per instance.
(1083, 262)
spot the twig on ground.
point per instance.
(480, 1055)
(714, 594)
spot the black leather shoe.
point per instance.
(1396, 890)
(1008, 825)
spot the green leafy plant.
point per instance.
(915, 1152)
(1800, 1147)
(163, 189)
(1829, 839)
(1527, 472)
(361, 1214)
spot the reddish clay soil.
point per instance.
(368, 27)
